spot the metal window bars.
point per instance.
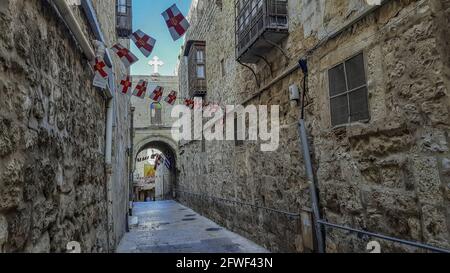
(124, 24)
(258, 25)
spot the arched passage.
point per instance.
(166, 175)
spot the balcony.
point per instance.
(259, 26)
(195, 52)
(123, 15)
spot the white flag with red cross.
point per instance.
(102, 72)
(157, 94)
(171, 98)
(144, 42)
(176, 22)
(125, 84)
(189, 103)
(141, 89)
(125, 55)
(101, 68)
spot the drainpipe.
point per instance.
(96, 29)
(308, 163)
(65, 11)
(108, 172)
(67, 15)
(131, 177)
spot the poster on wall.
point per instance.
(149, 170)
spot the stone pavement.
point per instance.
(169, 227)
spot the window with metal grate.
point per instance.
(348, 91)
(156, 115)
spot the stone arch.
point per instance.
(159, 142)
(170, 149)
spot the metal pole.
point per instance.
(131, 156)
(312, 186)
(384, 237)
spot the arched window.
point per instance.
(156, 113)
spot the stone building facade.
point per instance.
(388, 174)
(55, 186)
(152, 128)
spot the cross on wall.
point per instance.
(156, 63)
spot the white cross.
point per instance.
(156, 63)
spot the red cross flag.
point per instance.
(144, 42)
(189, 103)
(125, 55)
(177, 24)
(157, 94)
(100, 67)
(171, 98)
(125, 83)
(140, 89)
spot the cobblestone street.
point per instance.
(168, 227)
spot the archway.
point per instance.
(166, 173)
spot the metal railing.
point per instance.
(287, 213)
(293, 215)
(124, 23)
(254, 17)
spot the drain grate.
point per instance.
(213, 229)
(188, 219)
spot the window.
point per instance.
(122, 6)
(195, 52)
(200, 71)
(200, 61)
(156, 114)
(200, 55)
(348, 92)
(123, 18)
(259, 26)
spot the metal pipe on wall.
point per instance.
(69, 18)
(312, 185)
(384, 237)
(95, 26)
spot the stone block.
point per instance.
(9, 136)
(434, 141)
(379, 201)
(435, 230)
(41, 246)
(426, 177)
(3, 232)
(11, 186)
(446, 166)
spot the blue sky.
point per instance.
(147, 17)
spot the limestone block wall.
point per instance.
(163, 183)
(142, 113)
(52, 136)
(389, 175)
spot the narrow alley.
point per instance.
(225, 126)
(169, 227)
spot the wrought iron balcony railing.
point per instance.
(259, 25)
(124, 21)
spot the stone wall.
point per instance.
(389, 175)
(52, 136)
(157, 136)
